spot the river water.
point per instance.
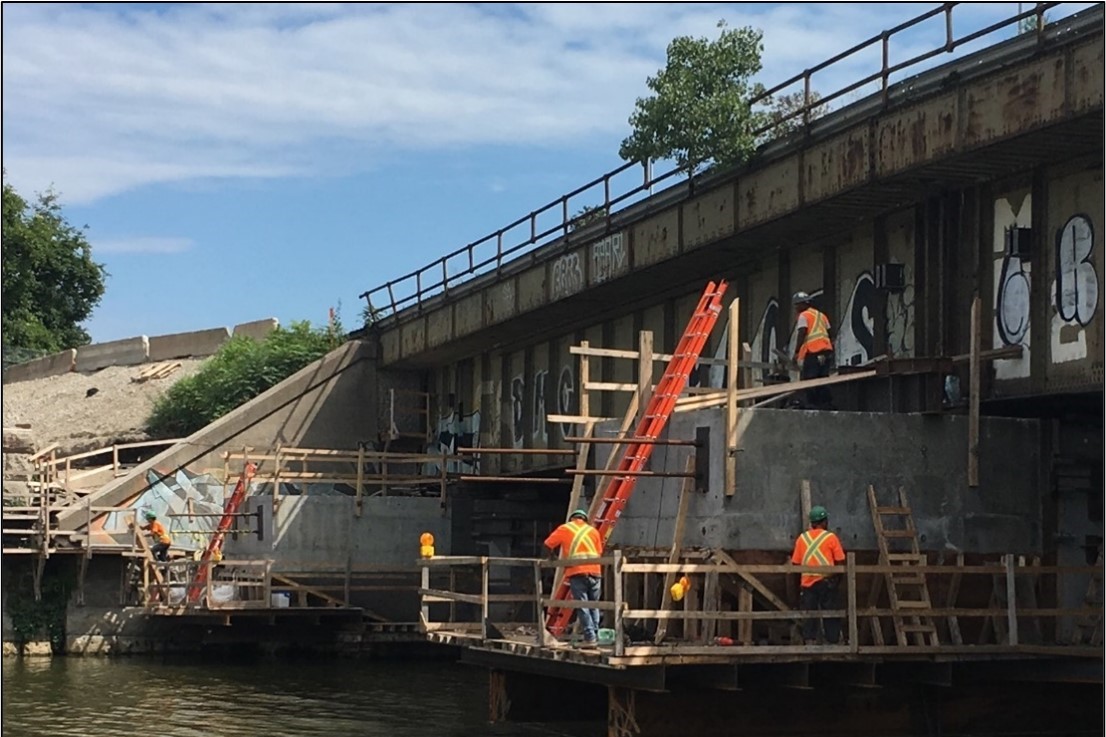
(56, 697)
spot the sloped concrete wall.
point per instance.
(53, 365)
(197, 343)
(256, 329)
(125, 352)
(841, 453)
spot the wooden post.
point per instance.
(276, 479)
(424, 616)
(484, 608)
(973, 399)
(1011, 604)
(619, 644)
(850, 581)
(745, 626)
(732, 345)
(360, 477)
(539, 613)
(585, 378)
(88, 527)
(677, 540)
(115, 460)
(804, 500)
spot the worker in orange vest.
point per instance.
(817, 591)
(813, 348)
(578, 539)
(160, 540)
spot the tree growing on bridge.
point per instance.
(50, 282)
(700, 111)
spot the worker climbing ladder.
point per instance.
(215, 545)
(907, 589)
(639, 446)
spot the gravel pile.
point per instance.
(61, 410)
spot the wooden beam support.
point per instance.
(973, 399)
(686, 489)
(732, 410)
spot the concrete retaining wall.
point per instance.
(197, 344)
(841, 453)
(52, 365)
(125, 352)
(257, 329)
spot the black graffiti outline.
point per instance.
(566, 391)
(537, 423)
(518, 395)
(1060, 272)
(1011, 335)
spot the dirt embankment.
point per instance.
(65, 409)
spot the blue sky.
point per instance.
(240, 161)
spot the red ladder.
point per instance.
(636, 454)
(215, 545)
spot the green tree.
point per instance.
(50, 282)
(700, 111)
(587, 215)
(242, 369)
(784, 105)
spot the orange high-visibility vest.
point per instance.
(818, 552)
(584, 543)
(817, 335)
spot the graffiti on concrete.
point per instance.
(568, 276)
(566, 398)
(608, 258)
(856, 338)
(518, 397)
(1075, 291)
(457, 430)
(900, 320)
(538, 430)
(1013, 282)
(764, 339)
(172, 498)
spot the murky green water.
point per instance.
(190, 698)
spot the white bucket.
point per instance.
(280, 601)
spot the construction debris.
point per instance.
(157, 371)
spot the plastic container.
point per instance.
(606, 636)
(280, 600)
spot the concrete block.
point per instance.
(183, 345)
(125, 352)
(52, 365)
(257, 329)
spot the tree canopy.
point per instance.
(50, 282)
(700, 111)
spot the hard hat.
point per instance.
(818, 513)
(800, 298)
(150, 515)
(579, 513)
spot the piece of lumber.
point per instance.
(732, 410)
(677, 540)
(705, 401)
(973, 398)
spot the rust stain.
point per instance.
(918, 137)
(855, 160)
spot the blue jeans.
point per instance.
(587, 588)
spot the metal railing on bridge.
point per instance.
(623, 187)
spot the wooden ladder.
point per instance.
(907, 590)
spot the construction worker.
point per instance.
(578, 539)
(818, 591)
(160, 538)
(813, 348)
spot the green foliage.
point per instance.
(700, 110)
(586, 216)
(32, 620)
(242, 369)
(1029, 25)
(785, 105)
(50, 282)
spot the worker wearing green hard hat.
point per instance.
(818, 591)
(581, 513)
(578, 539)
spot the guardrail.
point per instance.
(480, 617)
(620, 186)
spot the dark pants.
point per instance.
(817, 366)
(819, 597)
(587, 588)
(160, 551)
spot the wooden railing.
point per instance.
(696, 625)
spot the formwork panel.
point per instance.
(768, 192)
(656, 239)
(709, 217)
(836, 165)
(1014, 102)
(916, 135)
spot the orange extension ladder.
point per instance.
(215, 545)
(636, 454)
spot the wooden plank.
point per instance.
(1011, 605)
(732, 409)
(973, 398)
(706, 401)
(753, 581)
(686, 489)
(850, 582)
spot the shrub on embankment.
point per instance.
(242, 369)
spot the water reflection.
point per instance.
(342, 698)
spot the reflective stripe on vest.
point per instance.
(582, 545)
(814, 551)
(819, 329)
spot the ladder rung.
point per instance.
(898, 533)
(912, 557)
(904, 511)
(909, 604)
(912, 581)
(918, 628)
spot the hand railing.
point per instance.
(490, 253)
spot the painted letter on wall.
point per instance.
(1075, 291)
(1013, 279)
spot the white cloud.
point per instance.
(99, 99)
(142, 244)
